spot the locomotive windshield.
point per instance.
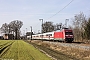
(68, 33)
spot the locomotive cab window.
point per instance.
(68, 33)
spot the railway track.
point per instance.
(77, 45)
(72, 45)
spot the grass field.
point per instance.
(20, 50)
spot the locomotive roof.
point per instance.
(62, 29)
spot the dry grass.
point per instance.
(77, 53)
(83, 41)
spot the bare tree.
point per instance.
(87, 29)
(79, 23)
(48, 27)
(15, 26)
(4, 28)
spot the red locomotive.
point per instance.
(65, 35)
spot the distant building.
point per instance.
(5, 36)
(8, 36)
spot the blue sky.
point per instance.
(30, 11)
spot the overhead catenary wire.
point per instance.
(60, 10)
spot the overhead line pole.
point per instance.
(66, 22)
(42, 27)
(31, 32)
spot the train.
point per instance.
(65, 35)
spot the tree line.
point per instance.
(80, 26)
(12, 28)
(49, 26)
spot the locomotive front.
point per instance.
(69, 37)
